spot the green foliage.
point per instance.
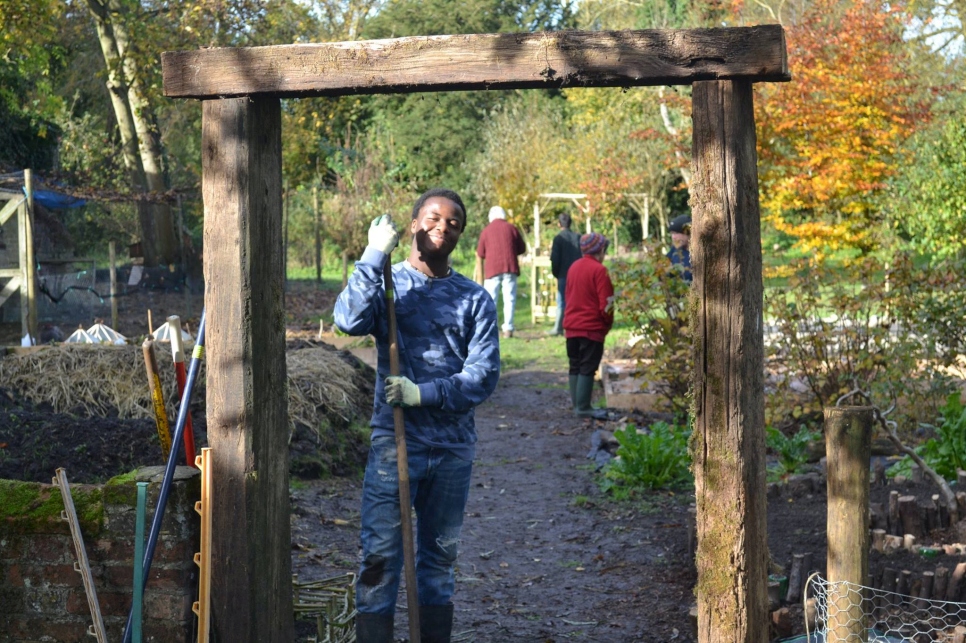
(945, 453)
(657, 460)
(651, 296)
(792, 452)
(885, 330)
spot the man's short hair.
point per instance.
(565, 220)
(443, 192)
(680, 224)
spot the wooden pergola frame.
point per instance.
(240, 89)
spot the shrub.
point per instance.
(887, 330)
(652, 297)
(654, 460)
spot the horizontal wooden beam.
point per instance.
(481, 61)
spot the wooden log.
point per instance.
(728, 442)
(774, 595)
(940, 583)
(481, 61)
(961, 502)
(909, 542)
(894, 524)
(892, 544)
(795, 576)
(904, 582)
(251, 580)
(926, 589)
(878, 519)
(848, 449)
(878, 540)
(806, 571)
(958, 634)
(890, 584)
(781, 620)
(909, 516)
(960, 478)
(915, 473)
(879, 474)
(954, 587)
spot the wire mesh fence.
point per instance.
(844, 612)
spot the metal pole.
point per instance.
(402, 464)
(196, 358)
(139, 558)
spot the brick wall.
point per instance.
(42, 598)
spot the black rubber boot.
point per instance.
(584, 391)
(373, 628)
(573, 391)
(435, 623)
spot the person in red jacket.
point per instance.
(588, 318)
(500, 243)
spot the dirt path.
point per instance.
(544, 557)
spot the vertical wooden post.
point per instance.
(23, 221)
(286, 207)
(318, 234)
(848, 445)
(184, 260)
(251, 582)
(31, 283)
(728, 445)
(113, 258)
(536, 228)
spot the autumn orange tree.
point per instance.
(830, 139)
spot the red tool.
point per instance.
(177, 350)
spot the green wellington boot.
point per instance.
(583, 392)
(573, 391)
(373, 628)
(435, 623)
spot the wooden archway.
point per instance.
(242, 190)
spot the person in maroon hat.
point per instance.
(588, 318)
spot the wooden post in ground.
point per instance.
(251, 581)
(728, 447)
(318, 234)
(111, 250)
(30, 286)
(848, 447)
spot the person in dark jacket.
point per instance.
(500, 244)
(587, 320)
(680, 252)
(563, 253)
(450, 362)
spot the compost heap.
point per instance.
(87, 408)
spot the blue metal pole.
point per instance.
(139, 559)
(197, 356)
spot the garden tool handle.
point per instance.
(402, 463)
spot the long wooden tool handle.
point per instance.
(402, 463)
(157, 396)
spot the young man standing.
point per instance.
(589, 317)
(450, 360)
(563, 253)
(500, 244)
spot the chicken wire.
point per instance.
(849, 613)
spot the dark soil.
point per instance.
(546, 556)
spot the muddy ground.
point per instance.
(546, 557)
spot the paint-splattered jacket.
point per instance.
(448, 345)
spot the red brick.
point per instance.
(51, 549)
(166, 607)
(175, 551)
(12, 575)
(156, 631)
(12, 547)
(38, 600)
(170, 579)
(62, 575)
(118, 575)
(111, 603)
(103, 550)
(62, 630)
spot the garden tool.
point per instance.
(402, 464)
(196, 356)
(177, 352)
(157, 397)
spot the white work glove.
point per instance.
(401, 391)
(382, 234)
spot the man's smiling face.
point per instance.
(437, 227)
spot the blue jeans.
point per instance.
(561, 304)
(508, 282)
(439, 484)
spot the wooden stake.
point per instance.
(150, 323)
(110, 250)
(31, 285)
(402, 464)
(955, 582)
(894, 525)
(909, 516)
(940, 583)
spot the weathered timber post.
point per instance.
(728, 447)
(251, 594)
(113, 260)
(848, 446)
(30, 285)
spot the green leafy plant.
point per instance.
(654, 460)
(652, 297)
(792, 452)
(946, 453)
